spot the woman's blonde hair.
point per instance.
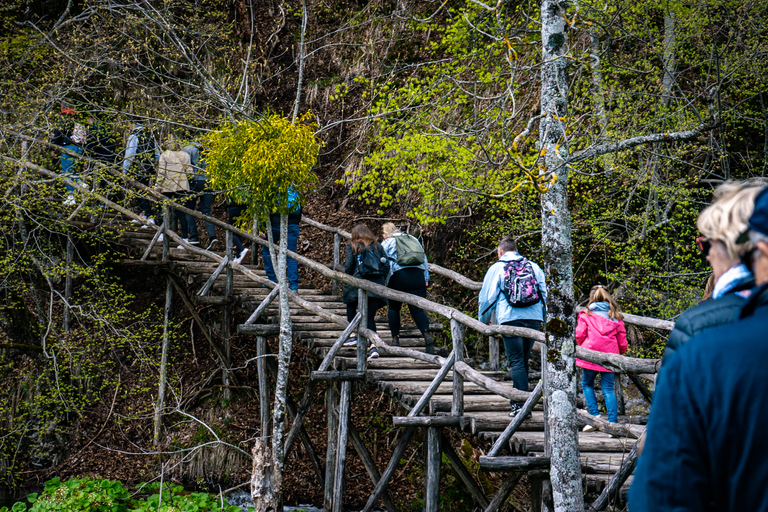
(388, 229)
(599, 293)
(727, 217)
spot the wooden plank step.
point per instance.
(414, 374)
(386, 362)
(411, 387)
(499, 419)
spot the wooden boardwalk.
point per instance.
(485, 413)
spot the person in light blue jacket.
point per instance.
(492, 298)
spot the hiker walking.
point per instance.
(200, 198)
(141, 153)
(70, 135)
(173, 173)
(365, 259)
(600, 327)
(408, 272)
(515, 289)
(294, 217)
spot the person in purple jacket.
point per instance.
(600, 327)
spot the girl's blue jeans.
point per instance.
(606, 382)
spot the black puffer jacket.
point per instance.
(349, 294)
(710, 313)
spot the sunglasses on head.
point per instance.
(704, 244)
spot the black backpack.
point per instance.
(370, 264)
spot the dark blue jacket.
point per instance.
(707, 441)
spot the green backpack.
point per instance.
(410, 253)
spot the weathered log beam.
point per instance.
(464, 474)
(215, 300)
(338, 375)
(619, 363)
(341, 446)
(432, 477)
(513, 463)
(606, 426)
(641, 386)
(506, 489)
(427, 421)
(390, 470)
(370, 465)
(212, 279)
(259, 329)
(263, 306)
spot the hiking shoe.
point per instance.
(395, 341)
(181, 246)
(70, 200)
(429, 343)
(212, 245)
(590, 428)
(351, 342)
(160, 238)
(373, 354)
(516, 408)
(242, 255)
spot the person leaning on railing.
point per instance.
(706, 442)
(720, 224)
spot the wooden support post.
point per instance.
(393, 463)
(618, 478)
(261, 369)
(493, 353)
(152, 244)
(464, 474)
(457, 401)
(301, 413)
(68, 283)
(216, 273)
(516, 421)
(618, 390)
(163, 360)
(641, 386)
(167, 214)
(226, 319)
(432, 480)
(264, 305)
(362, 341)
(331, 400)
(336, 260)
(506, 489)
(546, 485)
(535, 493)
(370, 465)
(341, 446)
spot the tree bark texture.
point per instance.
(560, 391)
(262, 492)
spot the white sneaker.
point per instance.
(351, 342)
(160, 239)
(590, 428)
(151, 220)
(242, 255)
(374, 354)
(70, 200)
(186, 241)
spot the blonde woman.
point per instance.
(173, 173)
(600, 327)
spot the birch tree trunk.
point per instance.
(560, 392)
(283, 360)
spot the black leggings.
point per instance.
(409, 280)
(373, 307)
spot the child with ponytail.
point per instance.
(600, 327)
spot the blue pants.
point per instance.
(197, 189)
(518, 350)
(68, 164)
(606, 381)
(293, 266)
(234, 212)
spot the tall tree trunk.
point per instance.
(283, 359)
(560, 392)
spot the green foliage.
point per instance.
(100, 495)
(257, 162)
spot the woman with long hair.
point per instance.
(600, 327)
(365, 259)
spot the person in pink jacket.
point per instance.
(600, 327)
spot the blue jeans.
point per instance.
(606, 382)
(198, 190)
(293, 266)
(518, 350)
(68, 164)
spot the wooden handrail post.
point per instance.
(434, 459)
(493, 353)
(331, 395)
(336, 260)
(341, 446)
(166, 229)
(261, 369)
(457, 335)
(227, 313)
(362, 341)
